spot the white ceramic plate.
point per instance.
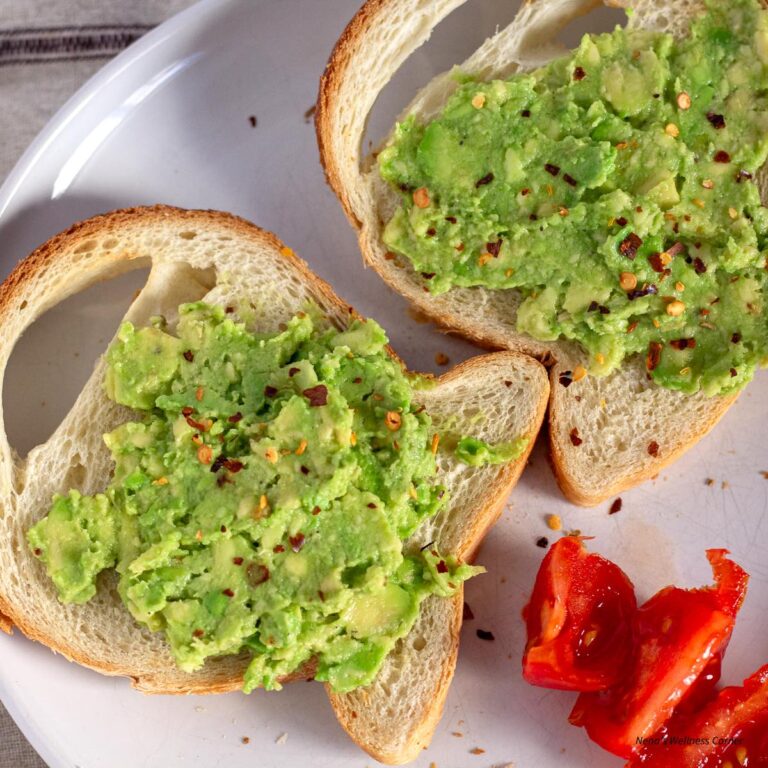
(169, 121)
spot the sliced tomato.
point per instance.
(731, 730)
(680, 633)
(580, 620)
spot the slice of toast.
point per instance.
(222, 259)
(623, 415)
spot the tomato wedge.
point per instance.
(731, 730)
(580, 620)
(680, 633)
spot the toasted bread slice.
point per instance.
(635, 414)
(222, 259)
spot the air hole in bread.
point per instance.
(188, 235)
(55, 357)
(452, 41)
(110, 243)
(418, 643)
(601, 19)
(86, 247)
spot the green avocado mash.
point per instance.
(615, 189)
(263, 499)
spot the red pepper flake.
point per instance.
(507, 383)
(653, 448)
(187, 411)
(237, 560)
(450, 219)
(717, 121)
(615, 507)
(568, 179)
(734, 373)
(198, 633)
(293, 371)
(199, 394)
(371, 506)
(233, 465)
(202, 426)
(542, 542)
(317, 395)
(431, 232)
(278, 549)
(270, 391)
(357, 380)
(188, 356)
(525, 192)
(218, 463)
(525, 113)
(484, 634)
(257, 574)
(655, 260)
(38, 551)
(630, 245)
(552, 170)
(442, 567)
(477, 751)
(653, 358)
(428, 275)
(296, 542)
(699, 266)
(467, 614)
(579, 73)
(487, 179)
(223, 529)
(245, 740)
(235, 417)
(682, 344)
(735, 338)
(575, 439)
(721, 156)
(304, 470)
(228, 592)
(494, 248)
(621, 221)
(316, 511)
(566, 379)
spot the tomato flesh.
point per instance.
(732, 728)
(681, 635)
(580, 620)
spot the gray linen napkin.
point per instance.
(48, 49)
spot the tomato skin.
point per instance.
(733, 728)
(580, 620)
(681, 633)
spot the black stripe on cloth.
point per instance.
(66, 43)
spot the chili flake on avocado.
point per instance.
(615, 189)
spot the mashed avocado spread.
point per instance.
(263, 499)
(615, 189)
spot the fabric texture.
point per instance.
(48, 49)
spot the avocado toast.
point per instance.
(229, 263)
(485, 208)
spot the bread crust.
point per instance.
(20, 303)
(339, 151)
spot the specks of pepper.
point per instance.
(253, 120)
(615, 506)
(485, 634)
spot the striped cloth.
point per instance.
(48, 48)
